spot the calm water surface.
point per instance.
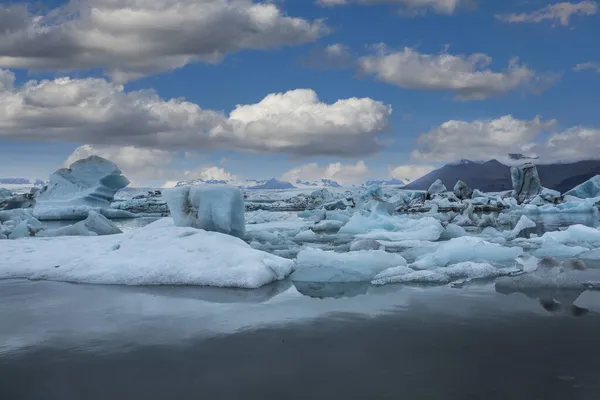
(66, 341)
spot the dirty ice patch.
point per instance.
(315, 265)
(157, 254)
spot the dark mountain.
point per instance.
(490, 176)
(493, 176)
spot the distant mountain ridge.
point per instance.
(20, 181)
(493, 176)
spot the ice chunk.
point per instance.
(453, 231)
(551, 278)
(327, 226)
(306, 236)
(20, 231)
(427, 228)
(462, 190)
(588, 189)
(94, 224)
(467, 248)
(157, 254)
(315, 265)
(464, 270)
(218, 208)
(365, 244)
(551, 248)
(522, 224)
(92, 182)
(436, 187)
(575, 234)
(5, 194)
(525, 181)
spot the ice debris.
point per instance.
(94, 225)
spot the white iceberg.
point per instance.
(427, 228)
(157, 254)
(216, 208)
(315, 265)
(467, 248)
(436, 188)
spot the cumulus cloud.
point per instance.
(132, 38)
(341, 173)
(142, 164)
(479, 139)
(574, 144)
(559, 13)
(587, 66)
(467, 76)
(98, 112)
(410, 7)
(409, 173)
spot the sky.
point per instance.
(295, 89)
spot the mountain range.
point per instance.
(493, 176)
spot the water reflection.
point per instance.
(336, 290)
(214, 294)
(555, 301)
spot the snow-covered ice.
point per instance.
(157, 254)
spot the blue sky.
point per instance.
(422, 102)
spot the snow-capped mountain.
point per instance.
(198, 182)
(272, 184)
(317, 184)
(391, 182)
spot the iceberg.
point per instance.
(588, 189)
(18, 223)
(526, 182)
(157, 254)
(467, 248)
(436, 188)
(462, 191)
(315, 265)
(216, 208)
(88, 184)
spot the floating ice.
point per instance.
(306, 236)
(95, 224)
(522, 224)
(157, 254)
(427, 228)
(327, 226)
(90, 182)
(553, 278)
(18, 223)
(588, 189)
(467, 248)
(526, 182)
(365, 244)
(316, 265)
(463, 270)
(436, 187)
(551, 248)
(45, 212)
(217, 208)
(453, 231)
(575, 235)
(462, 190)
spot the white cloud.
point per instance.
(98, 112)
(559, 13)
(574, 144)
(414, 7)
(587, 66)
(141, 164)
(409, 173)
(132, 38)
(479, 139)
(467, 76)
(341, 173)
